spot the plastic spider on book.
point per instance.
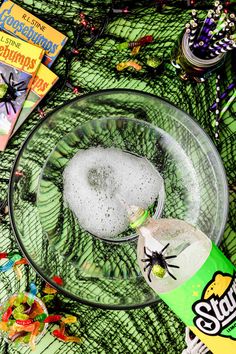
(10, 90)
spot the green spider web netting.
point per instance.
(150, 330)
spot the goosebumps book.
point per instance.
(43, 82)
(22, 24)
(19, 62)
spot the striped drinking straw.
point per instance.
(228, 104)
(217, 113)
(224, 95)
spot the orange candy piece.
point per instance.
(124, 65)
(73, 339)
(21, 261)
(3, 326)
(49, 290)
(28, 328)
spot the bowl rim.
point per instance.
(38, 270)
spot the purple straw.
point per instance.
(223, 95)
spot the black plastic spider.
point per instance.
(9, 91)
(158, 259)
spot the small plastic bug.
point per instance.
(9, 91)
(156, 263)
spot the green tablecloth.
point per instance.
(151, 329)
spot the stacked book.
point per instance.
(28, 48)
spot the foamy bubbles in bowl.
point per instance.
(96, 179)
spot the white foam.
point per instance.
(95, 177)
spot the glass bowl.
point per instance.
(39, 308)
(104, 272)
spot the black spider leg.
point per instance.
(146, 267)
(11, 79)
(5, 103)
(2, 76)
(163, 249)
(11, 82)
(13, 107)
(149, 274)
(171, 266)
(169, 257)
(145, 252)
(148, 259)
(172, 276)
(19, 86)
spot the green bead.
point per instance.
(123, 45)
(40, 317)
(158, 271)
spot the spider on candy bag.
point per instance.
(156, 262)
(10, 90)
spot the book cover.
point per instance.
(19, 62)
(22, 24)
(43, 82)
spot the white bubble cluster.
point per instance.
(96, 178)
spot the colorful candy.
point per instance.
(21, 261)
(3, 255)
(53, 318)
(69, 319)
(28, 328)
(18, 309)
(139, 43)
(7, 314)
(7, 266)
(24, 322)
(20, 322)
(49, 290)
(17, 271)
(124, 65)
(73, 339)
(3, 326)
(17, 335)
(20, 316)
(57, 333)
(33, 289)
(47, 298)
(30, 299)
(19, 299)
(58, 280)
(34, 335)
(61, 335)
(15, 259)
(40, 317)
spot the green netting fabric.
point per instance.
(151, 329)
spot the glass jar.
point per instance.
(193, 67)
